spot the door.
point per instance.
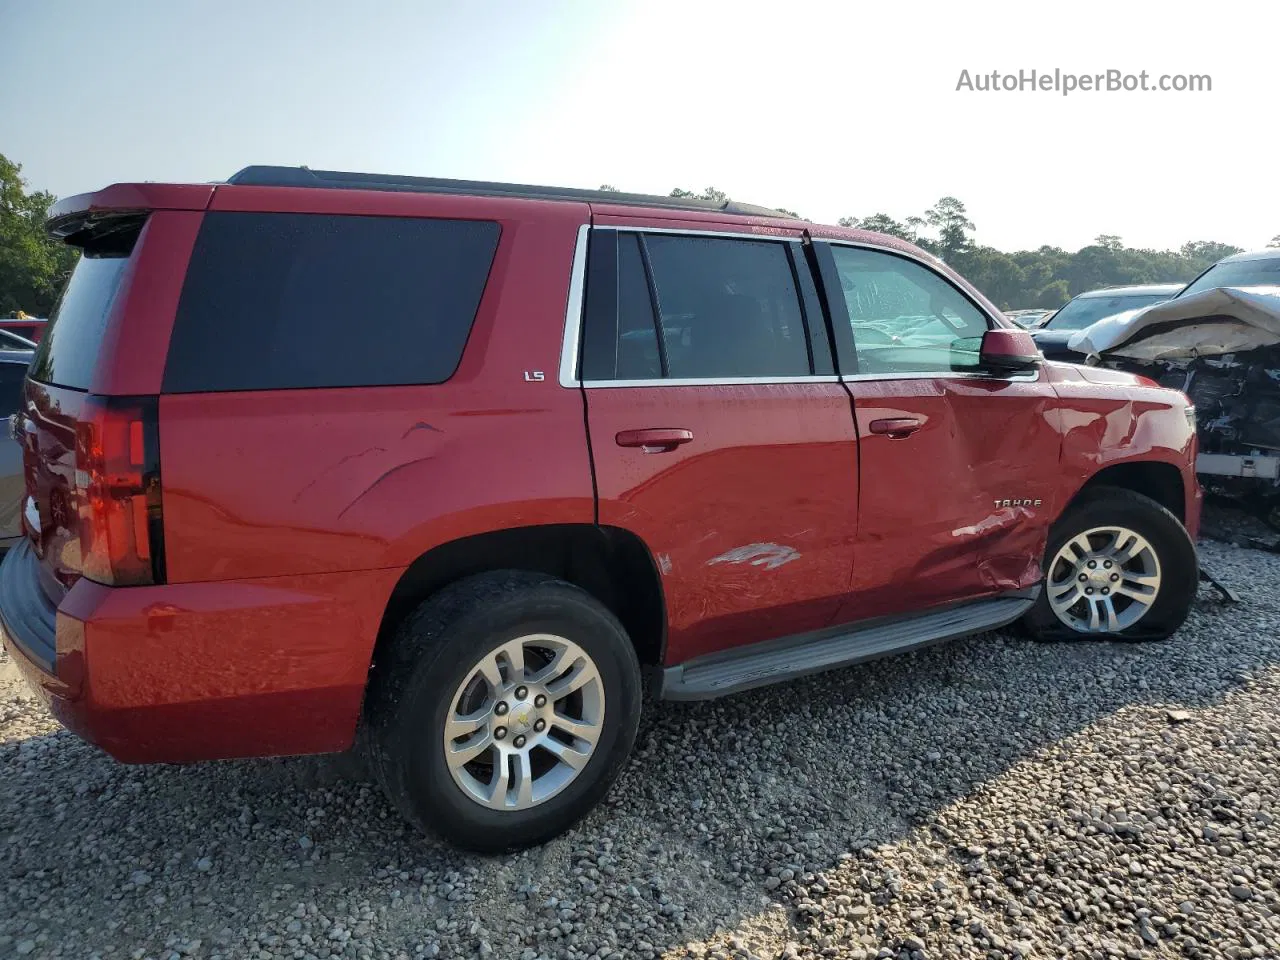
(957, 467)
(720, 434)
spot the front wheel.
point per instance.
(1118, 566)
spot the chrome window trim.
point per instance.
(709, 381)
(573, 311)
(686, 232)
(940, 375)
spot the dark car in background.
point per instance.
(1088, 308)
(13, 371)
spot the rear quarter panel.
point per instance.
(282, 483)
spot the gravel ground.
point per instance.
(991, 797)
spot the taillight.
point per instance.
(118, 480)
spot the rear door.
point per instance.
(957, 467)
(719, 432)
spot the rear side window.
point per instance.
(275, 301)
(66, 354)
(688, 307)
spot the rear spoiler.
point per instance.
(74, 216)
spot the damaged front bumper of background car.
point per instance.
(1221, 348)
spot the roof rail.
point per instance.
(268, 176)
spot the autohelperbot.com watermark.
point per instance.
(1064, 82)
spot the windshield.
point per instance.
(1239, 273)
(1084, 311)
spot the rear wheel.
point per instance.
(1118, 566)
(505, 710)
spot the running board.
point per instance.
(786, 658)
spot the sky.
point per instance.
(840, 109)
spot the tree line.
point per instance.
(33, 267)
(1045, 277)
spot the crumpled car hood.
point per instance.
(1206, 324)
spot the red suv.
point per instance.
(435, 468)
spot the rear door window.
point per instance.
(685, 307)
(278, 301)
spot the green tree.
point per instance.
(32, 266)
(878, 223)
(952, 222)
(1275, 241)
(1108, 241)
(1052, 295)
(710, 193)
(1205, 253)
(608, 188)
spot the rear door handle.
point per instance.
(654, 440)
(896, 427)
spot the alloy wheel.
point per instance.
(1103, 580)
(524, 722)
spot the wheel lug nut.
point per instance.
(501, 708)
(500, 733)
(1093, 564)
(1084, 577)
(539, 725)
(1088, 590)
(540, 700)
(518, 742)
(1115, 577)
(521, 692)
(1107, 564)
(1105, 591)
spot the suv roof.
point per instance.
(268, 176)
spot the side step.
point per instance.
(786, 658)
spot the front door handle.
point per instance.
(654, 440)
(896, 427)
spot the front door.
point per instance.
(957, 468)
(719, 433)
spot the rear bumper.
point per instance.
(199, 671)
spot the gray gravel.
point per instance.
(988, 798)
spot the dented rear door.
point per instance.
(720, 434)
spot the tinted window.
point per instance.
(275, 301)
(1239, 273)
(12, 376)
(905, 317)
(727, 308)
(1085, 311)
(69, 348)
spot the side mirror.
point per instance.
(1008, 351)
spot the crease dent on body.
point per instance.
(770, 556)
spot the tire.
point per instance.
(1175, 565)
(431, 673)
